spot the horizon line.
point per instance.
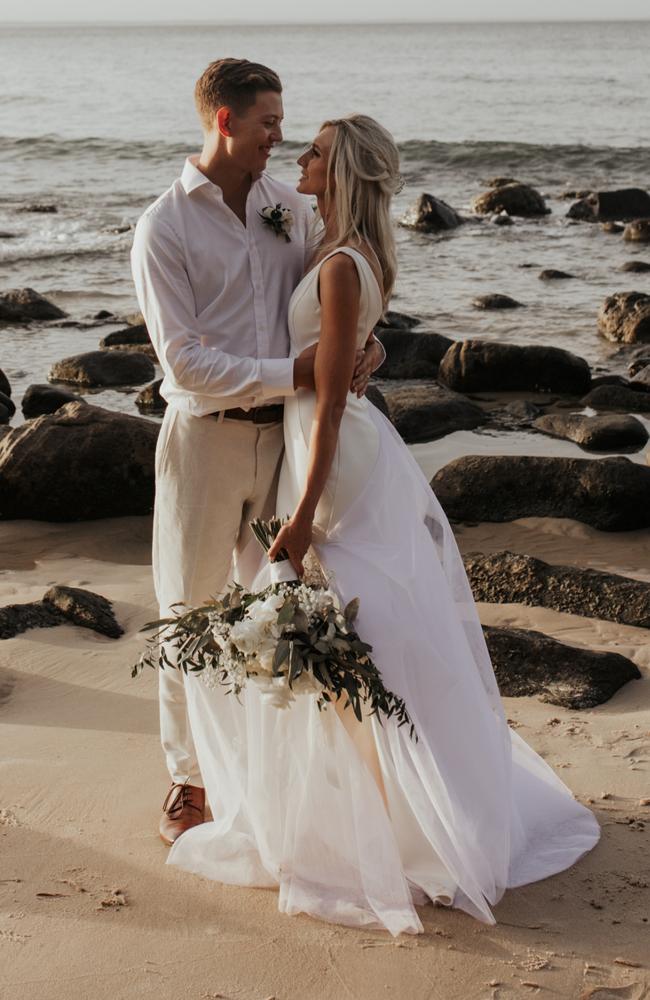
(306, 24)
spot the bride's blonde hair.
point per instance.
(364, 164)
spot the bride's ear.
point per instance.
(223, 121)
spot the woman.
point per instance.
(355, 822)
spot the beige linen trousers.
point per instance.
(213, 476)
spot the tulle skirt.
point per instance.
(358, 823)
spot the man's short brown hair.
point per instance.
(233, 83)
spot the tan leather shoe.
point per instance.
(183, 808)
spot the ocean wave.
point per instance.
(483, 154)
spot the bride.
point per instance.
(355, 822)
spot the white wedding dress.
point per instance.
(356, 823)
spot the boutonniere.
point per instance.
(279, 219)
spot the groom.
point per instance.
(213, 278)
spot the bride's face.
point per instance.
(314, 161)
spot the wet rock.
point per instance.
(4, 384)
(7, 404)
(572, 195)
(80, 463)
(131, 335)
(377, 398)
(496, 301)
(638, 231)
(149, 399)
(17, 618)
(21, 305)
(514, 198)
(430, 215)
(618, 380)
(5, 414)
(636, 266)
(625, 317)
(616, 433)
(425, 413)
(502, 219)
(4, 235)
(550, 274)
(603, 206)
(613, 397)
(497, 182)
(523, 411)
(39, 208)
(398, 321)
(611, 494)
(642, 378)
(82, 607)
(530, 663)
(612, 228)
(638, 359)
(97, 368)
(40, 399)
(411, 355)
(487, 366)
(508, 578)
(104, 314)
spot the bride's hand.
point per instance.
(295, 538)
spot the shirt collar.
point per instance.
(192, 178)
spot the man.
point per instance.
(213, 280)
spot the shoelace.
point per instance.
(181, 799)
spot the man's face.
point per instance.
(254, 133)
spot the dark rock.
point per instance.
(4, 384)
(611, 494)
(638, 231)
(612, 228)
(118, 230)
(97, 368)
(550, 274)
(502, 219)
(618, 380)
(530, 663)
(17, 618)
(509, 578)
(615, 433)
(40, 399)
(7, 403)
(39, 209)
(495, 301)
(487, 366)
(625, 317)
(149, 399)
(104, 314)
(411, 355)
(514, 198)
(497, 182)
(636, 266)
(523, 410)
(79, 463)
(613, 397)
(425, 413)
(5, 415)
(398, 321)
(26, 305)
(377, 398)
(638, 359)
(430, 215)
(82, 607)
(130, 335)
(7, 236)
(572, 195)
(602, 206)
(642, 378)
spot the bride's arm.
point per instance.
(340, 292)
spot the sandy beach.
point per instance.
(89, 909)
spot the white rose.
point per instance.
(275, 691)
(307, 684)
(246, 635)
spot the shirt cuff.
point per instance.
(277, 377)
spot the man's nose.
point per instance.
(277, 134)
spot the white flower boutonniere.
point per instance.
(279, 219)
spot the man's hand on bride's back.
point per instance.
(303, 370)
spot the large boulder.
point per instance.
(611, 494)
(495, 301)
(149, 399)
(552, 274)
(530, 663)
(638, 231)
(60, 605)
(617, 399)
(625, 317)
(515, 199)
(636, 266)
(98, 368)
(489, 366)
(80, 463)
(377, 398)
(427, 412)
(430, 215)
(603, 206)
(21, 305)
(7, 408)
(4, 384)
(397, 321)
(612, 433)
(131, 338)
(40, 399)
(411, 355)
(509, 578)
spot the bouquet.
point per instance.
(290, 639)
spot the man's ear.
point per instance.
(223, 121)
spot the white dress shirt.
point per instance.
(215, 293)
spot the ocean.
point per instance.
(98, 121)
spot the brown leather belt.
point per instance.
(257, 414)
